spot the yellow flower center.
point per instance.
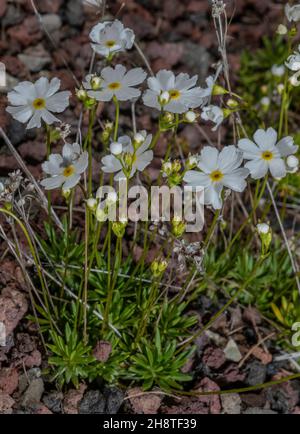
(114, 86)
(174, 94)
(111, 43)
(39, 103)
(267, 155)
(69, 171)
(216, 176)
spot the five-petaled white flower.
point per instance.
(65, 170)
(36, 101)
(265, 153)
(219, 169)
(135, 156)
(119, 83)
(111, 37)
(292, 12)
(175, 94)
(214, 114)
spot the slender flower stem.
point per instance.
(109, 285)
(48, 144)
(242, 227)
(117, 105)
(86, 276)
(92, 115)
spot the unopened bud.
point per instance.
(100, 215)
(282, 29)
(81, 94)
(164, 98)
(96, 82)
(190, 116)
(91, 204)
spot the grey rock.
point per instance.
(13, 16)
(255, 410)
(231, 403)
(232, 351)
(36, 59)
(114, 398)
(74, 13)
(52, 22)
(53, 401)
(93, 402)
(257, 373)
(197, 59)
(33, 393)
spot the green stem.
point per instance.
(117, 105)
(109, 285)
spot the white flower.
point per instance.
(278, 70)
(293, 61)
(266, 154)
(214, 114)
(119, 83)
(36, 101)
(176, 94)
(65, 169)
(111, 37)
(263, 228)
(292, 12)
(219, 169)
(139, 157)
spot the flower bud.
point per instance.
(167, 168)
(116, 148)
(168, 117)
(138, 139)
(280, 88)
(91, 204)
(66, 193)
(218, 90)
(100, 215)
(282, 29)
(81, 94)
(178, 227)
(164, 98)
(265, 234)
(96, 82)
(158, 267)
(232, 103)
(191, 162)
(263, 228)
(292, 163)
(176, 166)
(190, 116)
(119, 229)
(128, 159)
